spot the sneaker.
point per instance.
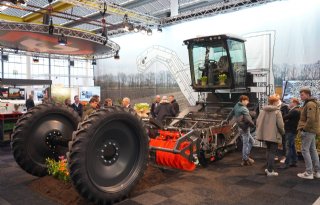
(305, 175)
(245, 163)
(283, 160)
(251, 160)
(316, 175)
(271, 174)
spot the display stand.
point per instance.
(8, 120)
(7, 123)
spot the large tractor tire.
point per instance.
(43, 132)
(108, 155)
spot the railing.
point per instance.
(170, 59)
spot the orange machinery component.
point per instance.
(167, 139)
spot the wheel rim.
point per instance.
(38, 145)
(110, 169)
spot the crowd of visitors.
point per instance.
(280, 124)
(160, 108)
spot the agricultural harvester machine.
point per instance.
(109, 151)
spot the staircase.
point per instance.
(179, 71)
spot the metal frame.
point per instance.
(217, 8)
(116, 10)
(39, 28)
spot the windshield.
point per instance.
(209, 61)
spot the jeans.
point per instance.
(309, 152)
(247, 141)
(291, 155)
(271, 151)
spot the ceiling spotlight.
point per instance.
(143, 30)
(159, 28)
(116, 56)
(149, 32)
(35, 59)
(126, 22)
(19, 1)
(136, 29)
(62, 40)
(130, 27)
(104, 42)
(94, 61)
(51, 27)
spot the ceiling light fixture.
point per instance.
(130, 27)
(94, 61)
(126, 22)
(143, 30)
(136, 29)
(116, 56)
(62, 40)
(51, 27)
(19, 1)
(35, 59)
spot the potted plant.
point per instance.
(142, 109)
(58, 169)
(204, 80)
(222, 79)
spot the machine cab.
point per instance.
(217, 62)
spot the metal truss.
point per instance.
(111, 47)
(217, 8)
(115, 10)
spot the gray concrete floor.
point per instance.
(222, 182)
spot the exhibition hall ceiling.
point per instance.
(88, 14)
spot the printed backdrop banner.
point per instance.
(293, 54)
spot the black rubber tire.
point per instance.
(93, 179)
(29, 136)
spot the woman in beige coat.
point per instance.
(270, 128)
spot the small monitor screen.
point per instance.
(16, 93)
(3, 93)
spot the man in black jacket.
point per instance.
(165, 109)
(154, 105)
(291, 121)
(30, 102)
(174, 104)
(284, 111)
(77, 106)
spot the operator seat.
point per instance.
(223, 64)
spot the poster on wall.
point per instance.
(39, 94)
(85, 93)
(59, 94)
(292, 88)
